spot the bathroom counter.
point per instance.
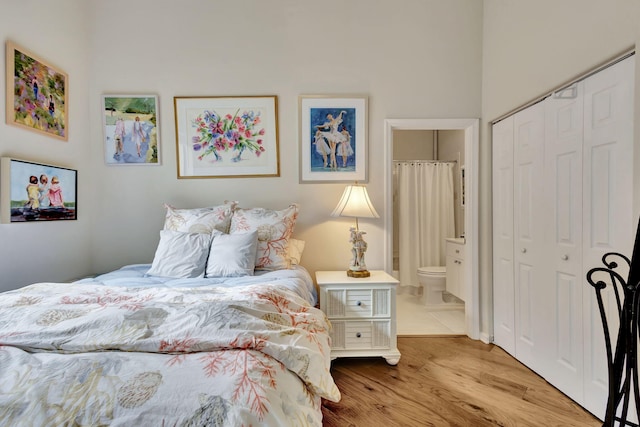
(458, 240)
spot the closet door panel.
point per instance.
(563, 187)
(503, 273)
(607, 205)
(529, 235)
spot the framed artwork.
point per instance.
(130, 125)
(37, 94)
(36, 192)
(227, 137)
(333, 138)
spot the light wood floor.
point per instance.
(448, 381)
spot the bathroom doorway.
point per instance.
(467, 194)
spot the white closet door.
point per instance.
(503, 285)
(607, 206)
(563, 292)
(529, 266)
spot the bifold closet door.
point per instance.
(529, 236)
(503, 285)
(572, 203)
(607, 206)
(563, 189)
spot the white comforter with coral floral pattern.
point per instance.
(83, 354)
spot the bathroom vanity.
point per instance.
(455, 267)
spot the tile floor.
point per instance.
(413, 318)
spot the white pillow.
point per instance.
(180, 255)
(232, 255)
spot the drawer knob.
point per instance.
(565, 257)
(358, 335)
(359, 303)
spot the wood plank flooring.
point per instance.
(447, 381)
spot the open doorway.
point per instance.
(470, 127)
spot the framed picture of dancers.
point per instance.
(227, 137)
(33, 192)
(130, 129)
(333, 138)
(37, 94)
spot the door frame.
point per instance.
(471, 148)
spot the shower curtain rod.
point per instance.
(425, 161)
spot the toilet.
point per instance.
(433, 280)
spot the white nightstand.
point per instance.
(362, 312)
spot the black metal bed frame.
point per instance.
(622, 360)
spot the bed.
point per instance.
(129, 347)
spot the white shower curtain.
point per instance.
(424, 213)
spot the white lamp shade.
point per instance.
(355, 203)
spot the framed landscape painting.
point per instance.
(227, 137)
(37, 94)
(36, 192)
(130, 129)
(333, 138)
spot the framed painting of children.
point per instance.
(130, 125)
(36, 192)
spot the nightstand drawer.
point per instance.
(359, 303)
(352, 335)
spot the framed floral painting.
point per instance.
(37, 94)
(227, 137)
(31, 192)
(333, 138)
(130, 129)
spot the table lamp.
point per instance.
(355, 203)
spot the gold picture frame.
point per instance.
(227, 136)
(37, 93)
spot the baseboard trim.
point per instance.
(486, 338)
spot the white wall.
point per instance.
(419, 60)
(53, 251)
(529, 48)
(413, 144)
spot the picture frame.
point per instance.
(37, 95)
(34, 192)
(333, 138)
(130, 129)
(227, 136)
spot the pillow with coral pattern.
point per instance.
(274, 231)
(200, 220)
